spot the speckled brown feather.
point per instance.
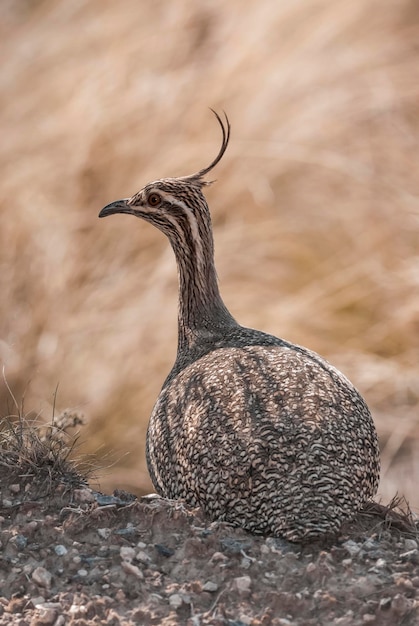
(259, 432)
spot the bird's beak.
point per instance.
(120, 206)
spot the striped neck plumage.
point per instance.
(201, 312)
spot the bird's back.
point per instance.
(266, 435)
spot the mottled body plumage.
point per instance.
(259, 432)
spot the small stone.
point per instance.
(141, 545)
(82, 573)
(129, 568)
(83, 496)
(246, 620)
(368, 618)
(352, 547)
(186, 598)
(380, 563)
(164, 550)
(175, 601)
(42, 577)
(105, 533)
(45, 617)
(60, 550)
(347, 562)
(210, 586)
(400, 604)
(412, 556)
(410, 544)
(245, 563)
(20, 541)
(233, 546)
(7, 503)
(143, 557)
(77, 610)
(385, 604)
(14, 488)
(218, 557)
(126, 553)
(242, 584)
(38, 602)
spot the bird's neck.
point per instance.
(202, 312)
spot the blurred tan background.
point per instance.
(316, 208)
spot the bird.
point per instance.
(259, 432)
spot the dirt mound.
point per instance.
(71, 555)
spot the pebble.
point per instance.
(410, 544)
(234, 546)
(218, 557)
(385, 604)
(411, 555)
(143, 557)
(164, 550)
(42, 577)
(126, 553)
(20, 541)
(246, 620)
(210, 586)
(105, 533)
(400, 604)
(44, 617)
(242, 584)
(77, 610)
(245, 562)
(352, 547)
(60, 550)
(175, 600)
(129, 568)
(83, 496)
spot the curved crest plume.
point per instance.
(225, 128)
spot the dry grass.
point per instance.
(395, 516)
(315, 213)
(37, 456)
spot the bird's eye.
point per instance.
(154, 199)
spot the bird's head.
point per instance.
(172, 204)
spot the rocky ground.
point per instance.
(70, 555)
